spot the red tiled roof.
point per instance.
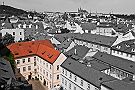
(42, 48)
(47, 53)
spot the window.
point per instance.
(29, 67)
(40, 69)
(23, 60)
(66, 73)
(34, 63)
(24, 69)
(40, 77)
(75, 79)
(57, 77)
(127, 55)
(63, 70)
(50, 85)
(81, 82)
(34, 58)
(28, 59)
(20, 39)
(44, 72)
(63, 80)
(13, 33)
(130, 56)
(70, 75)
(47, 65)
(74, 88)
(57, 67)
(47, 74)
(88, 86)
(20, 33)
(113, 51)
(50, 76)
(70, 86)
(50, 67)
(121, 53)
(18, 61)
(18, 70)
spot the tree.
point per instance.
(12, 61)
(7, 39)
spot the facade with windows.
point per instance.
(77, 76)
(49, 73)
(125, 50)
(17, 33)
(26, 67)
(38, 59)
(96, 42)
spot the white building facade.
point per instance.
(17, 33)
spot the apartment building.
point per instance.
(77, 76)
(17, 33)
(96, 42)
(125, 49)
(38, 59)
(115, 66)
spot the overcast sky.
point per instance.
(105, 6)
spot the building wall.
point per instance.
(56, 71)
(123, 55)
(104, 88)
(44, 72)
(95, 47)
(26, 64)
(19, 33)
(68, 82)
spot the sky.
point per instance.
(102, 6)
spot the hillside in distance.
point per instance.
(8, 10)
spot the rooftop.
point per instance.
(89, 74)
(124, 64)
(42, 48)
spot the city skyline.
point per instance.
(102, 6)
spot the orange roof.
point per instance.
(47, 53)
(42, 48)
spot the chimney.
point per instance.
(75, 52)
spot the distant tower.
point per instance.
(3, 3)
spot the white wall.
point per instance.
(26, 64)
(123, 55)
(66, 77)
(17, 33)
(56, 72)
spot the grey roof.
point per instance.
(97, 39)
(65, 44)
(114, 61)
(119, 85)
(126, 46)
(90, 75)
(88, 26)
(8, 26)
(98, 66)
(40, 36)
(6, 71)
(59, 37)
(81, 51)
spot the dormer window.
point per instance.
(127, 45)
(133, 50)
(118, 47)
